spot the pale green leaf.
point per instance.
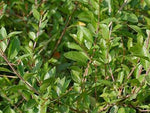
(36, 14)
(86, 33)
(105, 31)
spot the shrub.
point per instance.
(88, 56)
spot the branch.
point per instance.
(140, 70)
(15, 72)
(142, 110)
(62, 34)
(90, 61)
(37, 34)
(123, 5)
(8, 76)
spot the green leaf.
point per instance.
(130, 110)
(104, 82)
(74, 46)
(50, 73)
(14, 48)
(135, 82)
(147, 3)
(3, 43)
(140, 51)
(32, 35)
(104, 31)
(36, 14)
(130, 43)
(108, 20)
(76, 73)
(31, 103)
(5, 70)
(136, 28)
(76, 56)
(8, 109)
(122, 110)
(14, 33)
(3, 32)
(26, 95)
(86, 16)
(120, 77)
(114, 109)
(17, 87)
(27, 76)
(140, 39)
(88, 44)
(43, 24)
(86, 33)
(130, 17)
(3, 40)
(80, 35)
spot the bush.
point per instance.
(88, 56)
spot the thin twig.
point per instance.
(38, 32)
(105, 108)
(147, 41)
(123, 5)
(8, 76)
(110, 70)
(20, 102)
(95, 81)
(36, 3)
(132, 70)
(140, 71)
(112, 76)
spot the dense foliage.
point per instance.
(66, 56)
